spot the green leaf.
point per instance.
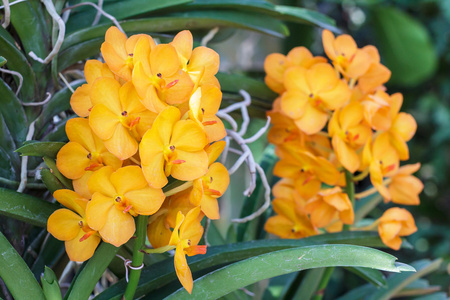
(25, 208)
(303, 15)
(281, 262)
(15, 273)
(309, 284)
(8, 145)
(41, 149)
(50, 251)
(371, 275)
(52, 166)
(2, 61)
(18, 62)
(366, 205)
(219, 255)
(397, 282)
(50, 285)
(51, 182)
(12, 113)
(405, 46)
(29, 23)
(120, 10)
(59, 102)
(233, 83)
(85, 282)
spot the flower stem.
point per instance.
(350, 190)
(138, 257)
(323, 283)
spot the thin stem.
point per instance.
(323, 283)
(350, 190)
(138, 257)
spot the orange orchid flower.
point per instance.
(382, 160)
(311, 94)
(116, 198)
(405, 188)
(201, 64)
(328, 204)
(376, 75)
(71, 227)
(380, 109)
(349, 133)
(291, 221)
(84, 153)
(345, 55)
(276, 65)
(204, 104)
(185, 236)
(118, 117)
(158, 78)
(208, 188)
(173, 147)
(158, 228)
(80, 100)
(118, 51)
(394, 223)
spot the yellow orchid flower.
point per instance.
(328, 204)
(405, 188)
(349, 133)
(204, 104)
(208, 188)
(80, 100)
(376, 75)
(291, 221)
(173, 147)
(83, 153)
(276, 65)
(158, 228)
(118, 117)
(394, 223)
(347, 58)
(157, 76)
(380, 109)
(382, 161)
(186, 236)
(71, 227)
(116, 198)
(311, 94)
(201, 64)
(118, 51)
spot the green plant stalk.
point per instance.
(350, 190)
(138, 257)
(323, 283)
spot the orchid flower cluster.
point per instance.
(147, 121)
(333, 125)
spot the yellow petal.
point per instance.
(182, 269)
(63, 224)
(146, 201)
(195, 165)
(214, 150)
(275, 65)
(295, 79)
(345, 154)
(80, 185)
(97, 210)
(336, 97)
(141, 79)
(100, 182)
(122, 144)
(328, 44)
(158, 233)
(82, 251)
(71, 200)
(183, 43)
(118, 228)
(188, 136)
(405, 125)
(321, 78)
(293, 104)
(154, 171)
(80, 100)
(127, 179)
(164, 60)
(106, 91)
(203, 57)
(79, 131)
(72, 160)
(312, 121)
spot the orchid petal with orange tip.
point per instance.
(394, 223)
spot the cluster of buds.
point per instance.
(147, 121)
(333, 125)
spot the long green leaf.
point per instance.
(303, 15)
(16, 274)
(51, 164)
(309, 284)
(26, 208)
(85, 282)
(219, 255)
(371, 275)
(120, 10)
(51, 182)
(2, 61)
(8, 145)
(27, 19)
(41, 149)
(18, 62)
(12, 113)
(399, 281)
(281, 262)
